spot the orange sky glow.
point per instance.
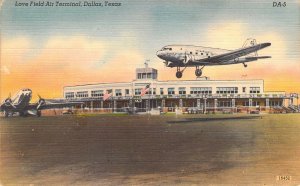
(76, 59)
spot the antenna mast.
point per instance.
(146, 63)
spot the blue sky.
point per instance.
(153, 23)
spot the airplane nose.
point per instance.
(28, 92)
(159, 53)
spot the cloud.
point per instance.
(227, 34)
(71, 60)
(5, 70)
(14, 51)
(66, 60)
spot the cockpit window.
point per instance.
(165, 48)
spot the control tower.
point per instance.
(146, 72)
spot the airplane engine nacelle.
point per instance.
(170, 65)
(8, 102)
(166, 63)
(188, 58)
(41, 102)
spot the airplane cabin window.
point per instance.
(201, 53)
(191, 52)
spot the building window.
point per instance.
(149, 91)
(227, 90)
(254, 90)
(201, 90)
(255, 103)
(244, 89)
(149, 75)
(118, 92)
(97, 93)
(139, 76)
(275, 103)
(154, 91)
(154, 76)
(144, 76)
(69, 95)
(137, 91)
(224, 104)
(126, 91)
(161, 91)
(171, 91)
(246, 103)
(82, 94)
(181, 90)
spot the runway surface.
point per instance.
(151, 150)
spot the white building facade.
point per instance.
(204, 94)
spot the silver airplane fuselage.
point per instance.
(22, 98)
(19, 101)
(179, 55)
(198, 56)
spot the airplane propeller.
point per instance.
(41, 102)
(187, 58)
(8, 101)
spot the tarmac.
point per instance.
(151, 150)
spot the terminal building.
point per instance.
(202, 94)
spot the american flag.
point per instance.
(145, 89)
(107, 94)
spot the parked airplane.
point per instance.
(196, 56)
(20, 103)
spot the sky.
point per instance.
(47, 48)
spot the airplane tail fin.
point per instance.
(248, 43)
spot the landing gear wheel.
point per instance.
(38, 113)
(198, 72)
(6, 114)
(245, 65)
(22, 114)
(178, 74)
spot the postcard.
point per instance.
(121, 92)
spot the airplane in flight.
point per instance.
(20, 103)
(198, 56)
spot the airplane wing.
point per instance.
(236, 53)
(46, 104)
